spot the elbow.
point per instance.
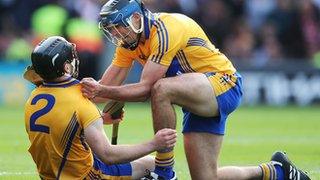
(146, 94)
(110, 162)
(139, 99)
(145, 97)
(108, 158)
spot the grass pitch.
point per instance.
(253, 134)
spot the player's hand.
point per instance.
(113, 112)
(90, 88)
(165, 138)
(111, 119)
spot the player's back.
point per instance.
(55, 116)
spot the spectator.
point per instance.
(295, 23)
(240, 43)
(257, 11)
(89, 44)
(216, 19)
(285, 19)
(48, 20)
(19, 49)
(309, 16)
(270, 49)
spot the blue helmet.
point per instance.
(118, 13)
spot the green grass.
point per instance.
(253, 134)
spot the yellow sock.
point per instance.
(268, 171)
(164, 159)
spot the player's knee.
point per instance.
(160, 90)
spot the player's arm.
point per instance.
(113, 154)
(113, 76)
(130, 92)
(155, 68)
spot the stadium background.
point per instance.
(275, 44)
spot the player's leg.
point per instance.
(140, 166)
(279, 168)
(100, 170)
(202, 151)
(240, 173)
(134, 170)
(193, 92)
(210, 144)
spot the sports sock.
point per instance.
(164, 164)
(271, 171)
(280, 173)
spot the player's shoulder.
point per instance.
(171, 16)
(75, 92)
(35, 92)
(64, 90)
(173, 23)
(173, 19)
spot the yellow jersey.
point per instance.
(55, 117)
(176, 41)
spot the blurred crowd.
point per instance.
(23, 24)
(255, 32)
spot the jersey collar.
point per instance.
(65, 83)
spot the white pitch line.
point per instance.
(5, 173)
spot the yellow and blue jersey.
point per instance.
(55, 117)
(178, 42)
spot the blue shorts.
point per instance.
(228, 90)
(103, 171)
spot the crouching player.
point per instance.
(66, 130)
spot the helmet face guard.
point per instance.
(74, 62)
(116, 22)
(127, 36)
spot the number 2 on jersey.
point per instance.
(50, 103)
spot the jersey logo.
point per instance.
(143, 57)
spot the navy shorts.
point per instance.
(103, 171)
(228, 90)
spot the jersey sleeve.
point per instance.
(165, 41)
(122, 58)
(88, 112)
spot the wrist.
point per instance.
(100, 90)
(153, 145)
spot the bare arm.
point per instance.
(130, 92)
(113, 76)
(113, 154)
